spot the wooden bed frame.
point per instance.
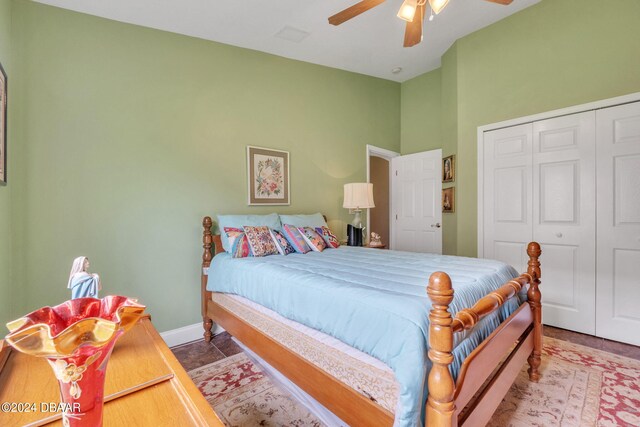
(485, 375)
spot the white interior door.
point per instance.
(417, 202)
(508, 226)
(564, 218)
(618, 306)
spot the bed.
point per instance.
(305, 314)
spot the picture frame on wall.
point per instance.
(3, 126)
(449, 169)
(449, 200)
(268, 176)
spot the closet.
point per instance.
(571, 183)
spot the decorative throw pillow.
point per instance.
(294, 237)
(282, 244)
(238, 221)
(330, 239)
(238, 243)
(260, 240)
(313, 239)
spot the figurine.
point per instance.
(375, 240)
(81, 282)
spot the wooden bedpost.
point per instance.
(207, 256)
(440, 404)
(534, 296)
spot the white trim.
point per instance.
(480, 180)
(381, 152)
(604, 103)
(388, 155)
(186, 334)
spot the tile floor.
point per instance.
(199, 353)
(614, 347)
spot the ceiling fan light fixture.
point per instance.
(438, 5)
(408, 10)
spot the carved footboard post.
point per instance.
(440, 405)
(534, 296)
(207, 240)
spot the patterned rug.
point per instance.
(580, 386)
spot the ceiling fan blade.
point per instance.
(504, 2)
(353, 11)
(413, 30)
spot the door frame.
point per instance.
(597, 105)
(373, 151)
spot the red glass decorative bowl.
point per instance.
(77, 337)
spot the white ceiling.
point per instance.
(369, 44)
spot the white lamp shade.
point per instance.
(438, 5)
(408, 10)
(358, 195)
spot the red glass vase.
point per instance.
(77, 338)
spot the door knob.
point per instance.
(558, 234)
(436, 225)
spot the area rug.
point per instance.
(243, 396)
(580, 386)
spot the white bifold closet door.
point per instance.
(618, 306)
(539, 184)
(508, 216)
(564, 219)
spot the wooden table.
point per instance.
(145, 386)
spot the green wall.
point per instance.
(421, 120)
(449, 89)
(429, 120)
(132, 135)
(5, 191)
(122, 137)
(555, 54)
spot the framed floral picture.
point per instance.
(268, 179)
(3, 126)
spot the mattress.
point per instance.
(363, 373)
(374, 301)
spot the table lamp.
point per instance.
(357, 196)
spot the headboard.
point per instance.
(209, 241)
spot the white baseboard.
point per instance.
(186, 334)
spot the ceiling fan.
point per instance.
(411, 11)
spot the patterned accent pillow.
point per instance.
(330, 239)
(238, 243)
(282, 244)
(260, 240)
(313, 239)
(294, 237)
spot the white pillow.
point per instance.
(313, 220)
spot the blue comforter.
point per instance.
(373, 300)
